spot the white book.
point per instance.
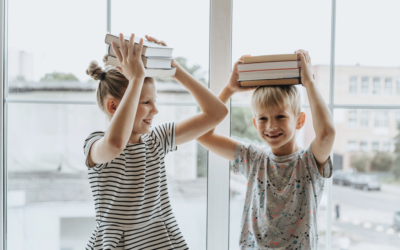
(268, 66)
(269, 74)
(149, 48)
(150, 72)
(148, 62)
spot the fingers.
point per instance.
(122, 44)
(117, 52)
(120, 70)
(152, 39)
(139, 49)
(131, 45)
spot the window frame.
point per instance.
(218, 168)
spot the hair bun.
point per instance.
(94, 70)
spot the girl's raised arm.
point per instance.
(213, 110)
(120, 128)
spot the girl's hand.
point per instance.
(155, 40)
(306, 72)
(233, 84)
(131, 65)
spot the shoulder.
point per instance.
(163, 130)
(251, 149)
(95, 135)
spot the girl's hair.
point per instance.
(276, 96)
(113, 83)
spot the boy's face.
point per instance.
(277, 127)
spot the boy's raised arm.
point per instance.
(322, 119)
(221, 145)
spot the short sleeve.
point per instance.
(327, 170)
(245, 156)
(86, 149)
(165, 134)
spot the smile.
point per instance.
(147, 121)
(274, 136)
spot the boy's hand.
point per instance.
(131, 65)
(306, 72)
(154, 40)
(233, 84)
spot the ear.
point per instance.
(111, 105)
(254, 123)
(301, 120)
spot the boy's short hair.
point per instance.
(276, 96)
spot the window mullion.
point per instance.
(218, 168)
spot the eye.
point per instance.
(262, 118)
(146, 102)
(281, 116)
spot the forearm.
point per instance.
(207, 101)
(321, 117)
(121, 124)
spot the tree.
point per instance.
(382, 162)
(359, 162)
(396, 163)
(243, 124)
(58, 76)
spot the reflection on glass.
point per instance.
(52, 50)
(366, 178)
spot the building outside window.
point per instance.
(398, 119)
(364, 118)
(352, 118)
(364, 146)
(352, 146)
(365, 85)
(398, 86)
(386, 146)
(388, 86)
(381, 119)
(375, 146)
(353, 85)
(376, 86)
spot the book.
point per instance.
(149, 48)
(148, 62)
(271, 58)
(269, 74)
(271, 82)
(268, 66)
(150, 72)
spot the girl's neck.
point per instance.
(135, 138)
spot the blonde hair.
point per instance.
(276, 96)
(113, 83)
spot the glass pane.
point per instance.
(367, 48)
(366, 179)
(53, 48)
(50, 204)
(270, 27)
(166, 16)
(242, 129)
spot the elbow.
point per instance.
(328, 133)
(116, 145)
(222, 113)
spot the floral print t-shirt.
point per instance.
(282, 197)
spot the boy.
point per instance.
(285, 182)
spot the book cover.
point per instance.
(271, 58)
(269, 74)
(268, 66)
(271, 82)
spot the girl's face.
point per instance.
(146, 110)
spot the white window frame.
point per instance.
(218, 170)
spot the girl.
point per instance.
(126, 162)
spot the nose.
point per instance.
(271, 125)
(154, 110)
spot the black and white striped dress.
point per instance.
(133, 209)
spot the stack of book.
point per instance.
(269, 70)
(156, 58)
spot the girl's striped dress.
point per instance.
(133, 210)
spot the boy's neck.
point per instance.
(287, 149)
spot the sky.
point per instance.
(64, 36)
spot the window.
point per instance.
(386, 146)
(364, 146)
(398, 85)
(381, 119)
(353, 85)
(375, 146)
(376, 86)
(365, 85)
(388, 86)
(352, 118)
(364, 118)
(351, 146)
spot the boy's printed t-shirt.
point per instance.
(282, 198)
